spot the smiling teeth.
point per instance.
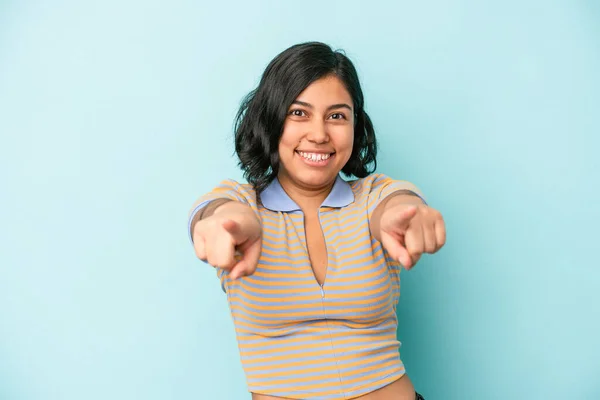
(314, 156)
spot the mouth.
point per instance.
(315, 158)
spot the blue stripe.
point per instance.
(313, 306)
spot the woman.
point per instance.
(311, 262)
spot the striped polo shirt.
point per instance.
(298, 339)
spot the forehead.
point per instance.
(326, 91)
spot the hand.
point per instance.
(409, 230)
(226, 243)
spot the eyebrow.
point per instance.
(331, 107)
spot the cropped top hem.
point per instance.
(352, 393)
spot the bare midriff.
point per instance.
(401, 389)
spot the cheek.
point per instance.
(344, 140)
(350, 140)
(287, 144)
(289, 137)
(344, 143)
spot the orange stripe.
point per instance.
(318, 305)
(270, 357)
(335, 291)
(286, 248)
(275, 219)
(336, 374)
(281, 332)
(285, 251)
(263, 274)
(365, 261)
(264, 318)
(242, 284)
(330, 294)
(310, 345)
(243, 343)
(260, 299)
(352, 362)
(275, 236)
(345, 278)
(308, 330)
(272, 226)
(310, 280)
(351, 219)
(384, 374)
(278, 268)
(387, 379)
(343, 238)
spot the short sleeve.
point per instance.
(380, 186)
(227, 189)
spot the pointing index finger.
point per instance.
(405, 215)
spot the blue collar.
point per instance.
(276, 199)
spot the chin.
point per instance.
(315, 178)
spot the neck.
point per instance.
(307, 198)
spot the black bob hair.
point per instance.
(260, 119)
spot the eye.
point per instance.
(297, 113)
(338, 116)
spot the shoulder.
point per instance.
(365, 186)
(226, 189)
(376, 186)
(233, 184)
(233, 189)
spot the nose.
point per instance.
(318, 133)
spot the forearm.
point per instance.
(399, 197)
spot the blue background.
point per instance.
(116, 115)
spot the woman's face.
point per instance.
(318, 135)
